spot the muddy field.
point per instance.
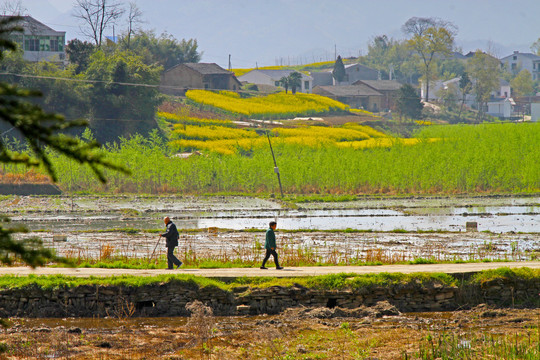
(395, 228)
(380, 332)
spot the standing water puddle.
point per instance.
(497, 219)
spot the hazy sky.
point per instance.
(265, 32)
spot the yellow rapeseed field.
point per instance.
(362, 112)
(205, 134)
(222, 137)
(278, 105)
(175, 118)
(329, 133)
(211, 132)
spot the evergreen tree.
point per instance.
(284, 81)
(465, 86)
(339, 70)
(165, 49)
(409, 102)
(295, 80)
(78, 53)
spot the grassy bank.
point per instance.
(328, 282)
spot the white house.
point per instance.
(38, 41)
(535, 112)
(272, 77)
(503, 108)
(502, 92)
(435, 88)
(519, 61)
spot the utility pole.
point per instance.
(335, 52)
(276, 169)
(230, 67)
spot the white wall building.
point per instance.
(501, 109)
(272, 77)
(535, 112)
(519, 61)
(38, 41)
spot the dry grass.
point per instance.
(201, 322)
(266, 337)
(30, 176)
(105, 252)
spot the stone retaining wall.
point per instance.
(29, 189)
(170, 299)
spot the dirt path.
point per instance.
(287, 272)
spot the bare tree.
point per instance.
(417, 26)
(430, 37)
(13, 8)
(97, 16)
(134, 18)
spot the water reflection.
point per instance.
(493, 218)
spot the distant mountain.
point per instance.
(497, 49)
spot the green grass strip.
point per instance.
(330, 282)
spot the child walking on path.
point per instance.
(270, 246)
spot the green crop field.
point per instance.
(449, 159)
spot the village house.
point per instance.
(38, 41)
(388, 88)
(436, 89)
(353, 73)
(520, 61)
(209, 76)
(501, 108)
(272, 77)
(526, 105)
(356, 96)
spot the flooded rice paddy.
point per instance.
(508, 227)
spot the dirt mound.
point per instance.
(382, 308)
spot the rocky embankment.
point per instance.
(170, 298)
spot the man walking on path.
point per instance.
(171, 241)
(270, 246)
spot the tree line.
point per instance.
(44, 133)
(106, 80)
(429, 53)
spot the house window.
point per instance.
(54, 45)
(31, 44)
(276, 83)
(306, 85)
(514, 66)
(206, 86)
(514, 57)
(45, 44)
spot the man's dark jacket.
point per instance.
(171, 235)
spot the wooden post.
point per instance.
(471, 226)
(276, 169)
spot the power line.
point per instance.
(94, 81)
(5, 132)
